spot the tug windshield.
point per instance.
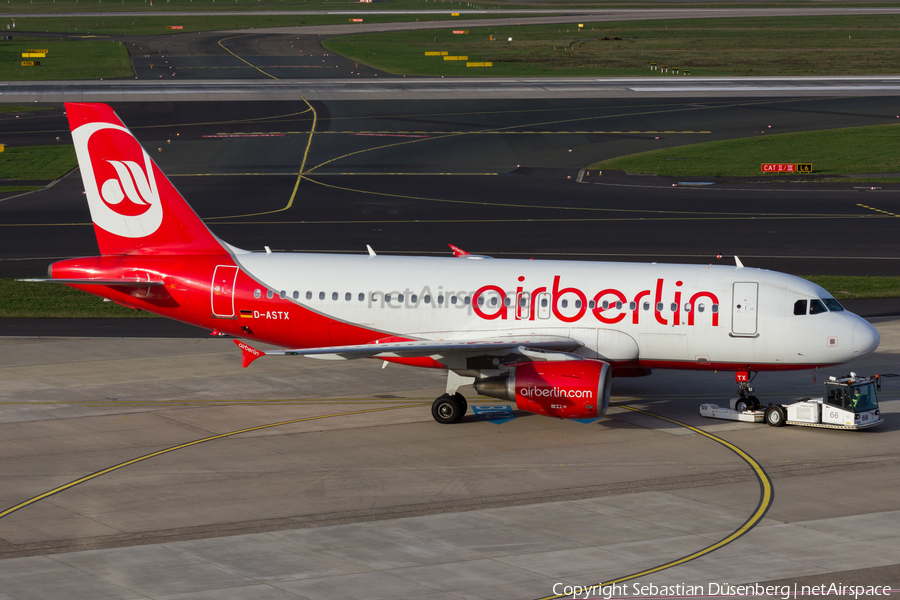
(862, 398)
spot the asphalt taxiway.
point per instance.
(494, 177)
(159, 468)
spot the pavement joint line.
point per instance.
(133, 461)
(766, 497)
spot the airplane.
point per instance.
(547, 335)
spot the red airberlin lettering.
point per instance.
(525, 303)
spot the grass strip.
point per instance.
(852, 287)
(48, 300)
(51, 300)
(6, 189)
(822, 45)
(11, 108)
(65, 59)
(37, 162)
(850, 150)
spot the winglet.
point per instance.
(249, 353)
(738, 263)
(458, 252)
(371, 252)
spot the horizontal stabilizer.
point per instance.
(129, 282)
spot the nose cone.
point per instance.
(865, 338)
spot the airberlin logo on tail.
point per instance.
(118, 180)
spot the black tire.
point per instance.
(742, 405)
(754, 402)
(448, 409)
(775, 415)
(465, 405)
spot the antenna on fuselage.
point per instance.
(738, 263)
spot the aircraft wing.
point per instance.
(541, 347)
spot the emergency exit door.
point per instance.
(743, 308)
(223, 291)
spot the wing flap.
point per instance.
(530, 346)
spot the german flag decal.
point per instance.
(246, 314)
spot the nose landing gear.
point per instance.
(746, 401)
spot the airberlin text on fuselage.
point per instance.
(617, 307)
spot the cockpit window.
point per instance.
(800, 307)
(816, 306)
(832, 304)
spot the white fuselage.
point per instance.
(662, 315)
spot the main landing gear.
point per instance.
(449, 408)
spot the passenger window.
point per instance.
(578, 304)
(591, 304)
(282, 295)
(523, 301)
(427, 299)
(480, 300)
(715, 308)
(632, 305)
(493, 301)
(399, 297)
(816, 306)
(440, 299)
(619, 305)
(674, 307)
(565, 303)
(701, 307)
(687, 307)
(800, 307)
(605, 304)
(507, 302)
(466, 300)
(309, 295)
(257, 293)
(387, 297)
(362, 296)
(646, 306)
(270, 294)
(543, 302)
(296, 295)
(414, 298)
(659, 306)
(452, 299)
(321, 295)
(334, 295)
(348, 296)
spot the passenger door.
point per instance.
(743, 309)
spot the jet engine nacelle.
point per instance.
(577, 389)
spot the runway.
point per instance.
(259, 86)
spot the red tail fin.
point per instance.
(135, 209)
